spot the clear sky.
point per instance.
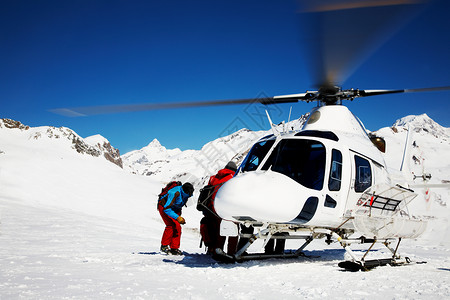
(88, 52)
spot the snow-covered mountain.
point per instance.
(95, 146)
(104, 146)
(428, 141)
(423, 124)
(196, 166)
(428, 147)
(56, 167)
(164, 165)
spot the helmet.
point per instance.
(231, 165)
(188, 188)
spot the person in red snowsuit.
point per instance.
(169, 207)
(210, 224)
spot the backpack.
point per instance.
(165, 189)
(204, 202)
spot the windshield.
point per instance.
(256, 155)
(301, 160)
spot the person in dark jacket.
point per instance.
(169, 208)
(210, 224)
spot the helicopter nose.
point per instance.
(261, 195)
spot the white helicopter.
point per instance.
(328, 180)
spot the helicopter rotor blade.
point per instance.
(111, 109)
(294, 97)
(432, 89)
(366, 93)
(291, 98)
(320, 6)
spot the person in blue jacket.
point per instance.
(169, 208)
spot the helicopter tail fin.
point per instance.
(405, 167)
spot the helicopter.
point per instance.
(328, 180)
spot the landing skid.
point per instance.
(241, 255)
(354, 264)
(221, 256)
(370, 264)
(260, 256)
(363, 264)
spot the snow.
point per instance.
(73, 225)
(56, 254)
(96, 139)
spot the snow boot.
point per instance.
(164, 249)
(176, 252)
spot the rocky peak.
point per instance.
(8, 123)
(155, 144)
(109, 152)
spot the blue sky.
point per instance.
(78, 53)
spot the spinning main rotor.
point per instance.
(344, 33)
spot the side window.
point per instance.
(363, 178)
(256, 155)
(334, 182)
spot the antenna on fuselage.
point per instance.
(289, 118)
(273, 126)
(290, 111)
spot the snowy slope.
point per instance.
(55, 167)
(73, 223)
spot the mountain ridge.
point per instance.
(95, 146)
(164, 164)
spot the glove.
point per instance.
(181, 220)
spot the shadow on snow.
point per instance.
(197, 260)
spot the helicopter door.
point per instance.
(334, 180)
(361, 179)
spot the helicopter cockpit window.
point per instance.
(334, 183)
(363, 178)
(256, 155)
(301, 160)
